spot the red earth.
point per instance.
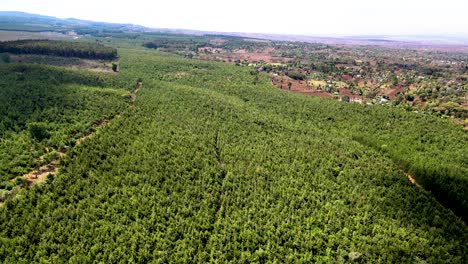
(297, 86)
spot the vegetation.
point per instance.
(19, 21)
(208, 170)
(295, 75)
(59, 48)
(46, 108)
(209, 162)
(5, 58)
(410, 78)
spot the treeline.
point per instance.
(176, 44)
(86, 50)
(193, 43)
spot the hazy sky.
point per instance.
(326, 17)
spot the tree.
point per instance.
(296, 75)
(114, 67)
(150, 45)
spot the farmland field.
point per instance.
(211, 163)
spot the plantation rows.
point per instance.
(208, 167)
(85, 50)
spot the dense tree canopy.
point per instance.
(59, 48)
(208, 167)
(44, 108)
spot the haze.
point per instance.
(333, 17)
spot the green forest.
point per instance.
(46, 109)
(209, 163)
(86, 50)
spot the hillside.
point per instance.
(214, 164)
(12, 21)
(124, 146)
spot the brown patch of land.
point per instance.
(413, 181)
(40, 174)
(393, 92)
(265, 55)
(298, 86)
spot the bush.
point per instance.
(150, 45)
(296, 76)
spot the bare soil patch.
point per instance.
(413, 181)
(137, 88)
(265, 55)
(40, 174)
(392, 93)
(298, 86)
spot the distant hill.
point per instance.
(23, 14)
(13, 20)
(21, 21)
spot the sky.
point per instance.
(322, 18)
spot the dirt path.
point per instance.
(413, 181)
(137, 88)
(90, 133)
(40, 174)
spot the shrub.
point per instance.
(296, 76)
